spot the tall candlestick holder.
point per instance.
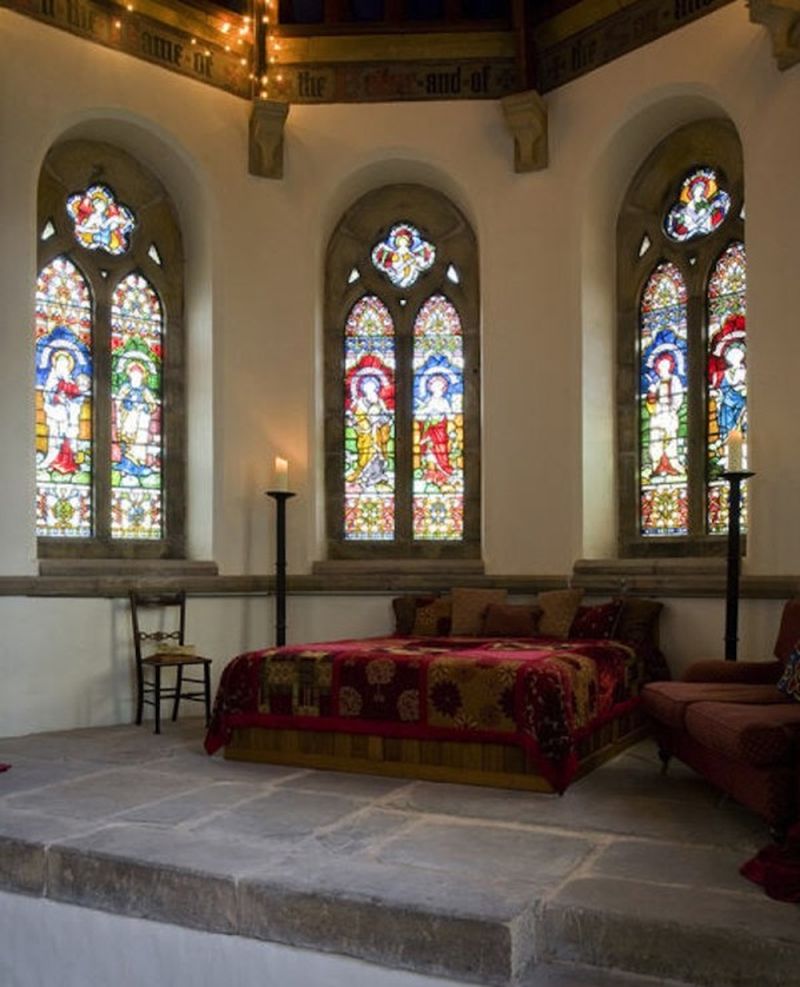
(735, 479)
(280, 497)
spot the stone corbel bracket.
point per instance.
(267, 121)
(782, 20)
(526, 117)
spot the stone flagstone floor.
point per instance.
(630, 879)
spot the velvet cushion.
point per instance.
(789, 632)
(405, 612)
(668, 702)
(469, 606)
(511, 620)
(598, 622)
(638, 628)
(559, 607)
(789, 682)
(434, 619)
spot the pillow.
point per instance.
(638, 627)
(559, 607)
(511, 620)
(469, 606)
(405, 612)
(434, 618)
(789, 682)
(598, 622)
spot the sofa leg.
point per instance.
(664, 756)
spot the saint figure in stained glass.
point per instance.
(663, 399)
(403, 255)
(701, 207)
(101, 222)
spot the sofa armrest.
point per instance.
(746, 672)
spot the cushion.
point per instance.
(469, 606)
(789, 632)
(434, 618)
(757, 735)
(598, 622)
(638, 628)
(789, 682)
(559, 607)
(405, 612)
(511, 620)
(667, 702)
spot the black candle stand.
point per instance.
(280, 497)
(734, 479)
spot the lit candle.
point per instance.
(280, 475)
(735, 441)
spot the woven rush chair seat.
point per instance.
(169, 651)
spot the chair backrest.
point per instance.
(789, 631)
(175, 602)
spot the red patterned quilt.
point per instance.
(540, 695)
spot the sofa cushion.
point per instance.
(668, 702)
(789, 631)
(758, 735)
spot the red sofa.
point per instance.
(730, 722)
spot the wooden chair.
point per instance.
(149, 689)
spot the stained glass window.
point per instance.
(63, 401)
(726, 375)
(369, 434)
(403, 255)
(100, 221)
(438, 423)
(663, 395)
(701, 207)
(136, 353)
(109, 357)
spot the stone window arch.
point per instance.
(402, 389)
(681, 370)
(109, 351)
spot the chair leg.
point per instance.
(158, 699)
(178, 685)
(664, 756)
(139, 696)
(207, 678)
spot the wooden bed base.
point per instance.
(461, 762)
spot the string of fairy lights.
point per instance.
(255, 30)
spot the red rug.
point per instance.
(777, 869)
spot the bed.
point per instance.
(531, 713)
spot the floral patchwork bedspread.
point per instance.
(540, 695)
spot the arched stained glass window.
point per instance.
(402, 392)
(136, 401)
(681, 372)
(663, 397)
(64, 370)
(438, 442)
(727, 377)
(369, 433)
(109, 390)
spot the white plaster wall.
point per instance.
(90, 949)
(254, 276)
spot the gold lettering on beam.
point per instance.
(636, 25)
(114, 26)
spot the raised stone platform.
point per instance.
(629, 871)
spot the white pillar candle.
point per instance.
(735, 442)
(280, 474)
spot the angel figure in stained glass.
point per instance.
(101, 223)
(701, 207)
(371, 419)
(663, 402)
(404, 255)
(727, 374)
(64, 391)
